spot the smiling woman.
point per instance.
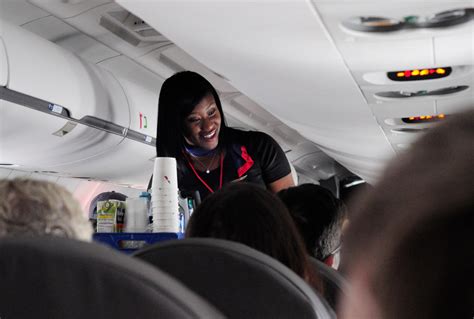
(192, 128)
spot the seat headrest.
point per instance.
(52, 277)
(240, 281)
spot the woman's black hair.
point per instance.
(179, 95)
(318, 215)
(249, 214)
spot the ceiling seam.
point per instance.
(313, 5)
(331, 40)
(37, 19)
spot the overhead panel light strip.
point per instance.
(420, 74)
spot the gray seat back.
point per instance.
(334, 284)
(240, 281)
(48, 277)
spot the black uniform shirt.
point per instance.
(250, 156)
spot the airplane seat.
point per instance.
(334, 284)
(238, 280)
(52, 277)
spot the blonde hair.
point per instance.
(32, 207)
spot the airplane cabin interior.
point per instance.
(344, 87)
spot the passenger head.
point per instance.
(248, 214)
(179, 97)
(408, 249)
(33, 207)
(319, 215)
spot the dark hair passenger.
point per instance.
(209, 154)
(248, 214)
(319, 215)
(409, 247)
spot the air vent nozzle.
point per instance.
(409, 130)
(421, 93)
(382, 24)
(131, 28)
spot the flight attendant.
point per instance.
(209, 154)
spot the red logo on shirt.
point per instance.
(248, 162)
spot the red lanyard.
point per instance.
(204, 182)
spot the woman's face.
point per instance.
(203, 124)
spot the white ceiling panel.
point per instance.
(399, 109)
(448, 50)
(19, 174)
(56, 30)
(50, 28)
(456, 105)
(187, 62)
(67, 8)
(407, 48)
(19, 12)
(89, 23)
(4, 172)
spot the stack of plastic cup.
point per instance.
(164, 196)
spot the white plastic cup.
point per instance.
(165, 175)
(165, 219)
(136, 215)
(164, 195)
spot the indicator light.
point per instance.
(423, 119)
(419, 74)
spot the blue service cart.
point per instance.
(130, 242)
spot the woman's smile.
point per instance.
(203, 124)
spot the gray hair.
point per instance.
(32, 207)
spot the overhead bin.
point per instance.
(54, 104)
(142, 88)
(43, 70)
(3, 65)
(30, 139)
